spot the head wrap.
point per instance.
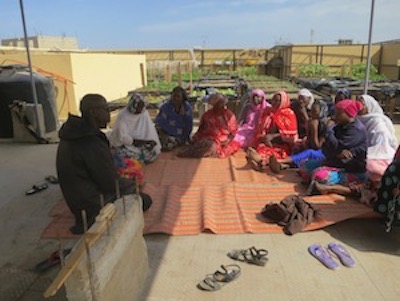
(134, 101)
(307, 93)
(372, 104)
(350, 107)
(257, 92)
(285, 100)
(345, 92)
(217, 98)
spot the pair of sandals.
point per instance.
(230, 272)
(323, 255)
(43, 186)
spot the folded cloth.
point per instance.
(293, 213)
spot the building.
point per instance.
(44, 42)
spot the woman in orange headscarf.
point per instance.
(217, 128)
(275, 134)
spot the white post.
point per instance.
(368, 67)
(34, 93)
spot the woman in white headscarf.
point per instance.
(134, 134)
(382, 143)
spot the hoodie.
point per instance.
(85, 166)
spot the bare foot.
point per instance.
(253, 155)
(322, 188)
(274, 165)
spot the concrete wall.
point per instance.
(118, 261)
(390, 59)
(111, 75)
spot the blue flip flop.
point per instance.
(344, 256)
(323, 256)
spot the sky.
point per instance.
(170, 24)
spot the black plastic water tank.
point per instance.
(15, 84)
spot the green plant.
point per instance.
(313, 70)
(357, 71)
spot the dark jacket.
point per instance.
(353, 137)
(84, 165)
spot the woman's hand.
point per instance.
(345, 154)
(267, 139)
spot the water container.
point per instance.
(15, 84)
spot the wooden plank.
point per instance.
(107, 214)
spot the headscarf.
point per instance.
(284, 118)
(382, 142)
(250, 117)
(350, 107)
(134, 101)
(217, 98)
(285, 100)
(307, 93)
(372, 104)
(129, 127)
(345, 92)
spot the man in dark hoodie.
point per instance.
(85, 166)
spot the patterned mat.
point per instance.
(219, 196)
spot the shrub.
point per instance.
(313, 70)
(358, 72)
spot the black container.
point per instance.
(15, 84)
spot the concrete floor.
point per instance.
(177, 264)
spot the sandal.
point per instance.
(53, 260)
(323, 256)
(52, 179)
(344, 256)
(214, 282)
(36, 188)
(250, 255)
(209, 284)
(229, 273)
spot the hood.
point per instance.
(76, 127)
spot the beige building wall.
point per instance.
(76, 74)
(111, 75)
(55, 65)
(391, 60)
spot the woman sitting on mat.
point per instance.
(388, 195)
(174, 122)
(214, 137)
(302, 108)
(250, 117)
(134, 134)
(313, 143)
(382, 142)
(276, 133)
(345, 150)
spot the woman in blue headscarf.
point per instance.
(174, 122)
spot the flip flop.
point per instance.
(344, 256)
(323, 256)
(36, 188)
(51, 261)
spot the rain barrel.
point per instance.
(15, 84)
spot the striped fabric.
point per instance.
(221, 196)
